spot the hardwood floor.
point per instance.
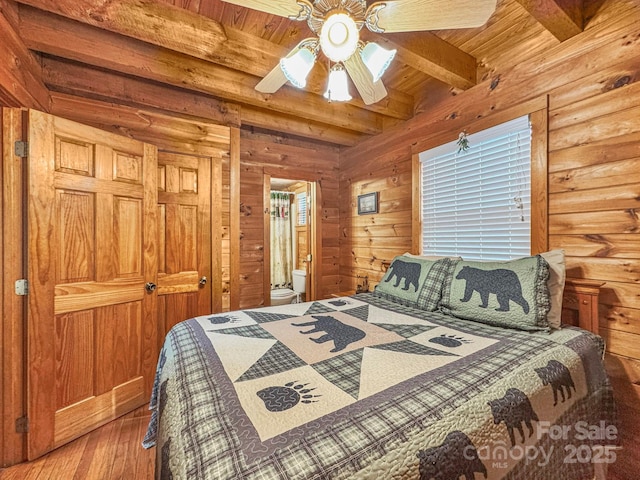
(110, 453)
(627, 463)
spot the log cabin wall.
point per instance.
(262, 154)
(593, 89)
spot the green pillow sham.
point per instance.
(511, 294)
(414, 282)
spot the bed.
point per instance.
(399, 383)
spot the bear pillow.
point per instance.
(414, 282)
(511, 294)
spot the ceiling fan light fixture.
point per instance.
(297, 67)
(338, 85)
(377, 59)
(339, 37)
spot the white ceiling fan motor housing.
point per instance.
(339, 36)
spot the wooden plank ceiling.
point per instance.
(201, 59)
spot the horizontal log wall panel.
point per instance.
(623, 245)
(608, 102)
(251, 250)
(620, 318)
(622, 122)
(398, 231)
(623, 172)
(377, 252)
(622, 343)
(606, 269)
(621, 294)
(595, 223)
(359, 187)
(594, 85)
(251, 271)
(596, 200)
(377, 220)
(251, 232)
(595, 153)
(591, 82)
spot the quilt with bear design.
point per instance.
(361, 387)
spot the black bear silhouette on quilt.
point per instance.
(514, 409)
(559, 377)
(342, 335)
(455, 457)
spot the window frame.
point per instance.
(537, 110)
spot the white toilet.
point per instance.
(282, 296)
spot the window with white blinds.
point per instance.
(302, 208)
(477, 203)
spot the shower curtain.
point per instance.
(281, 251)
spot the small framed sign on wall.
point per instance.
(368, 203)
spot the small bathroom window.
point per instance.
(302, 208)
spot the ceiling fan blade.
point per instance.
(370, 91)
(276, 77)
(417, 15)
(272, 81)
(283, 8)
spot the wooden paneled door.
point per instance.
(92, 236)
(184, 238)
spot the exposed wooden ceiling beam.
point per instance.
(430, 54)
(563, 18)
(287, 124)
(58, 36)
(84, 81)
(183, 31)
(167, 132)
(20, 77)
(154, 22)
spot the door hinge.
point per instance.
(22, 287)
(22, 425)
(22, 148)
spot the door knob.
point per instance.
(150, 287)
(203, 281)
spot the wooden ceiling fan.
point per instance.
(337, 24)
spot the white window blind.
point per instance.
(302, 208)
(477, 203)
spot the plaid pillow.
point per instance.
(414, 282)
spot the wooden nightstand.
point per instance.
(580, 303)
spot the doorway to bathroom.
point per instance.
(291, 247)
